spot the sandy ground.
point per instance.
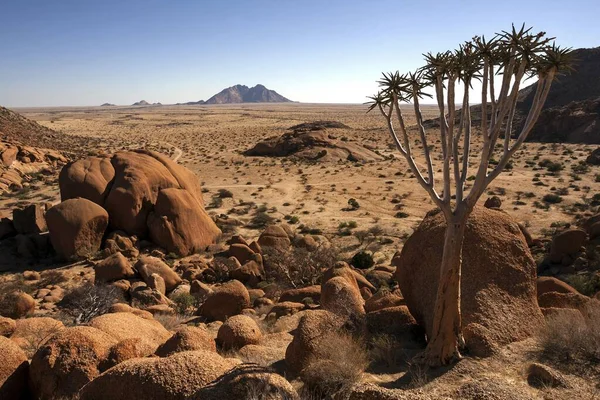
(210, 139)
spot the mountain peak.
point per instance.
(243, 94)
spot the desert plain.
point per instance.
(210, 141)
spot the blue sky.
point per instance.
(80, 52)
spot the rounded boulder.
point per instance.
(187, 338)
(313, 328)
(13, 371)
(225, 301)
(125, 325)
(177, 377)
(498, 286)
(17, 305)
(148, 265)
(67, 361)
(342, 298)
(89, 178)
(76, 227)
(180, 224)
(238, 331)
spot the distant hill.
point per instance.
(107, 105)
(244, 94)
(145, 103)
(192, 103)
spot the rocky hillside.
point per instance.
(583, 84)
(15, 128)
(244, 94)
(571, 113)
(19, 131)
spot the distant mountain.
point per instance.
(244, 94)
(141, 103)
(192, 103)
(107, 105)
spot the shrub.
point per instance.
(185, 303)
(219, 272)
(580, 168)
(550, 165)
(353, 204)
(293, 219)
(169, 321)
(585, 284)
(89, 301)
(572, 341)
(361, 235)
(224, 193)
(260, 220)
(552, 198)
(298, 267)
(340, 363)
(362, 260)
(387, 350)
(216, 202)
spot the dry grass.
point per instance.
(573, 343)
(339, 365)
(31, 339)
(386, 350)
(170, 321)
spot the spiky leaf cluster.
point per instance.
(505, 53)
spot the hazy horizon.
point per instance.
(75, 53)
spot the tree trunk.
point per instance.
(446, 335)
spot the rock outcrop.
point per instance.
(313, 141)
(145, 194)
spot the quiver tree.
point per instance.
(508, 59)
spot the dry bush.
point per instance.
(418, 375)
(572, 342)
(31, 339)
(89, 301)
(340, 363)
(185, 304)
(18, 284)
(52, 277)
(387, 350)
(219, 271)
(170, 321)
(298, 267)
